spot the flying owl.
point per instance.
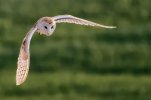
(45, 26)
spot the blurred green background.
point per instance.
(78, 63)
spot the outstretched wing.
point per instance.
(23, 65)
(76, 20)
(24, 58)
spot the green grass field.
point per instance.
(75, 86)
(78, 63)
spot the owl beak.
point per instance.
(49, 31)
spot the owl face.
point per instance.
(46, 26)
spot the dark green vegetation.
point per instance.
(78, 63)
(77, 86)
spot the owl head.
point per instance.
(46, 26)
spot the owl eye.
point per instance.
(45, 27)
(52, 27)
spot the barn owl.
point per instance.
(45, 26)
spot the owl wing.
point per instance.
(24, 58)
(76, 20)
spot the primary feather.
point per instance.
(76, 20)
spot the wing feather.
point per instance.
(23, 66)
(24, 58)
(76, 20)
